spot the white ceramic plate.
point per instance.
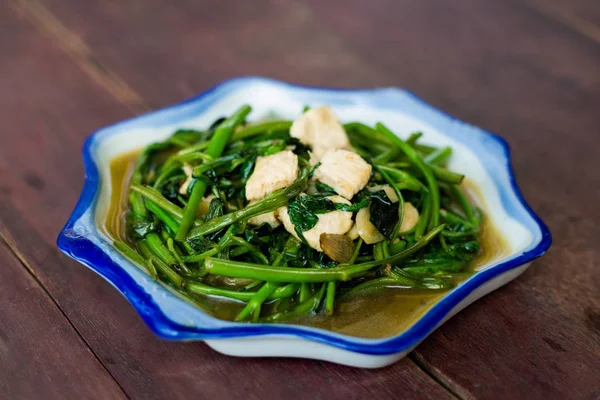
(482, 156)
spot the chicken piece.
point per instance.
(334, 222)
(411, 217)
(346, 172)
(272, 173)
(187, 170)
(267, 218)
(321, 130)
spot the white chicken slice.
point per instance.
(272, 173)
(334, 222)
(266, 218)
(346, 172)
(321, 130)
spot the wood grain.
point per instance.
(500, 65)
(199, 43)
(41, 178)
(582, 16)
(41, 355)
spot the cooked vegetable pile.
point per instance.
(290, 217)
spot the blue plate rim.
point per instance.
(84, 250)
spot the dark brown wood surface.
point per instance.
(529, 70)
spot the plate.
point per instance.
(483, 156)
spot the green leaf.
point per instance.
(139, 227)
(170, 188)
(325, 190)
(187, 135)
(384, 213)
(361, 203)
(313, 169)
(215, 209)
(302, 218)
(248, 167)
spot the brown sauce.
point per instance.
(380, 314)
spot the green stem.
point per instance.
(192, 149)
(385, 249)
(203, 289)
(401, 177)
(389, 180)
(368, 133)
(330, 298)
(215, 148)
(162, 215)
(155, 196)
(378, 251)
(342, 272)
(448, 266)
(167, 272)
(257, 129)
(386, 155)
(166, 171)
(156, 244)
(217, 162)
(256, 301)
(451, 217)
(136, 257)
(251, 248)
(416, 159)
(129, 252)
(412, 139)
(356, 251)
(149, 256)
(202, 256)
(397, 247)
(171, 224)
(443, 175)
(285, 291)
(380, 283)
(292, 246)
(173, 251)
(458, 234)
(439, 156)
(304, 292)
(423, 218)
(464, 205)
(308, 306)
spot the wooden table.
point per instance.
(529, 70)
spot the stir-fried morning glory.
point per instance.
(291, 217)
